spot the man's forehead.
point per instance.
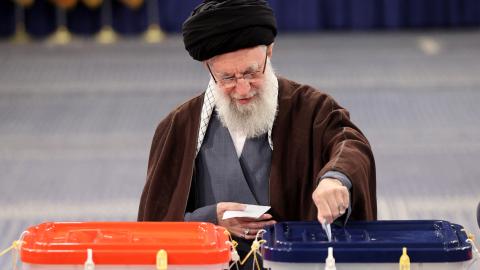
(239, 60)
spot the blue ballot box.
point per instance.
(431, 244)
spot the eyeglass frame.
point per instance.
(243, 75)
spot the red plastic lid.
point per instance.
(127, 243)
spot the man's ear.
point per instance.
(270, 50)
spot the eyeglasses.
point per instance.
(249, 76)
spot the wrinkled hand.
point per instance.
(239, 226)
(331, 199)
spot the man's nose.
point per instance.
(243, 87)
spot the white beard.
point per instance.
(254, 118)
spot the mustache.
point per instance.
(249, 95)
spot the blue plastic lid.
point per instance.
(367, 242)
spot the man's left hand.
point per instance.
(331, 199)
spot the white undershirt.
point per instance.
(238, 140)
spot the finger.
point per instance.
(324, 214)
(246, 220)
(245, 233)
(261, 218)
(316, 197)
(228, 223)
(337, 203)
(235, 226)
(334, 207)
(252, 234)
(249, 230)
(346, 198)
(260, 225)
(265, 216)
(238, 231)
(235, 222)
(340, 198)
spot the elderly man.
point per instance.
(254, 138)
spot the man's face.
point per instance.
(240, 74)
(245, 91)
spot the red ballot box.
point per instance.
(125, 245)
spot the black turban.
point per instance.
(217, 27)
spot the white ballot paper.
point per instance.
(328, 230)
(251, 211)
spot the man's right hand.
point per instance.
(242, 227)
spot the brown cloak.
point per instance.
(311, 135)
